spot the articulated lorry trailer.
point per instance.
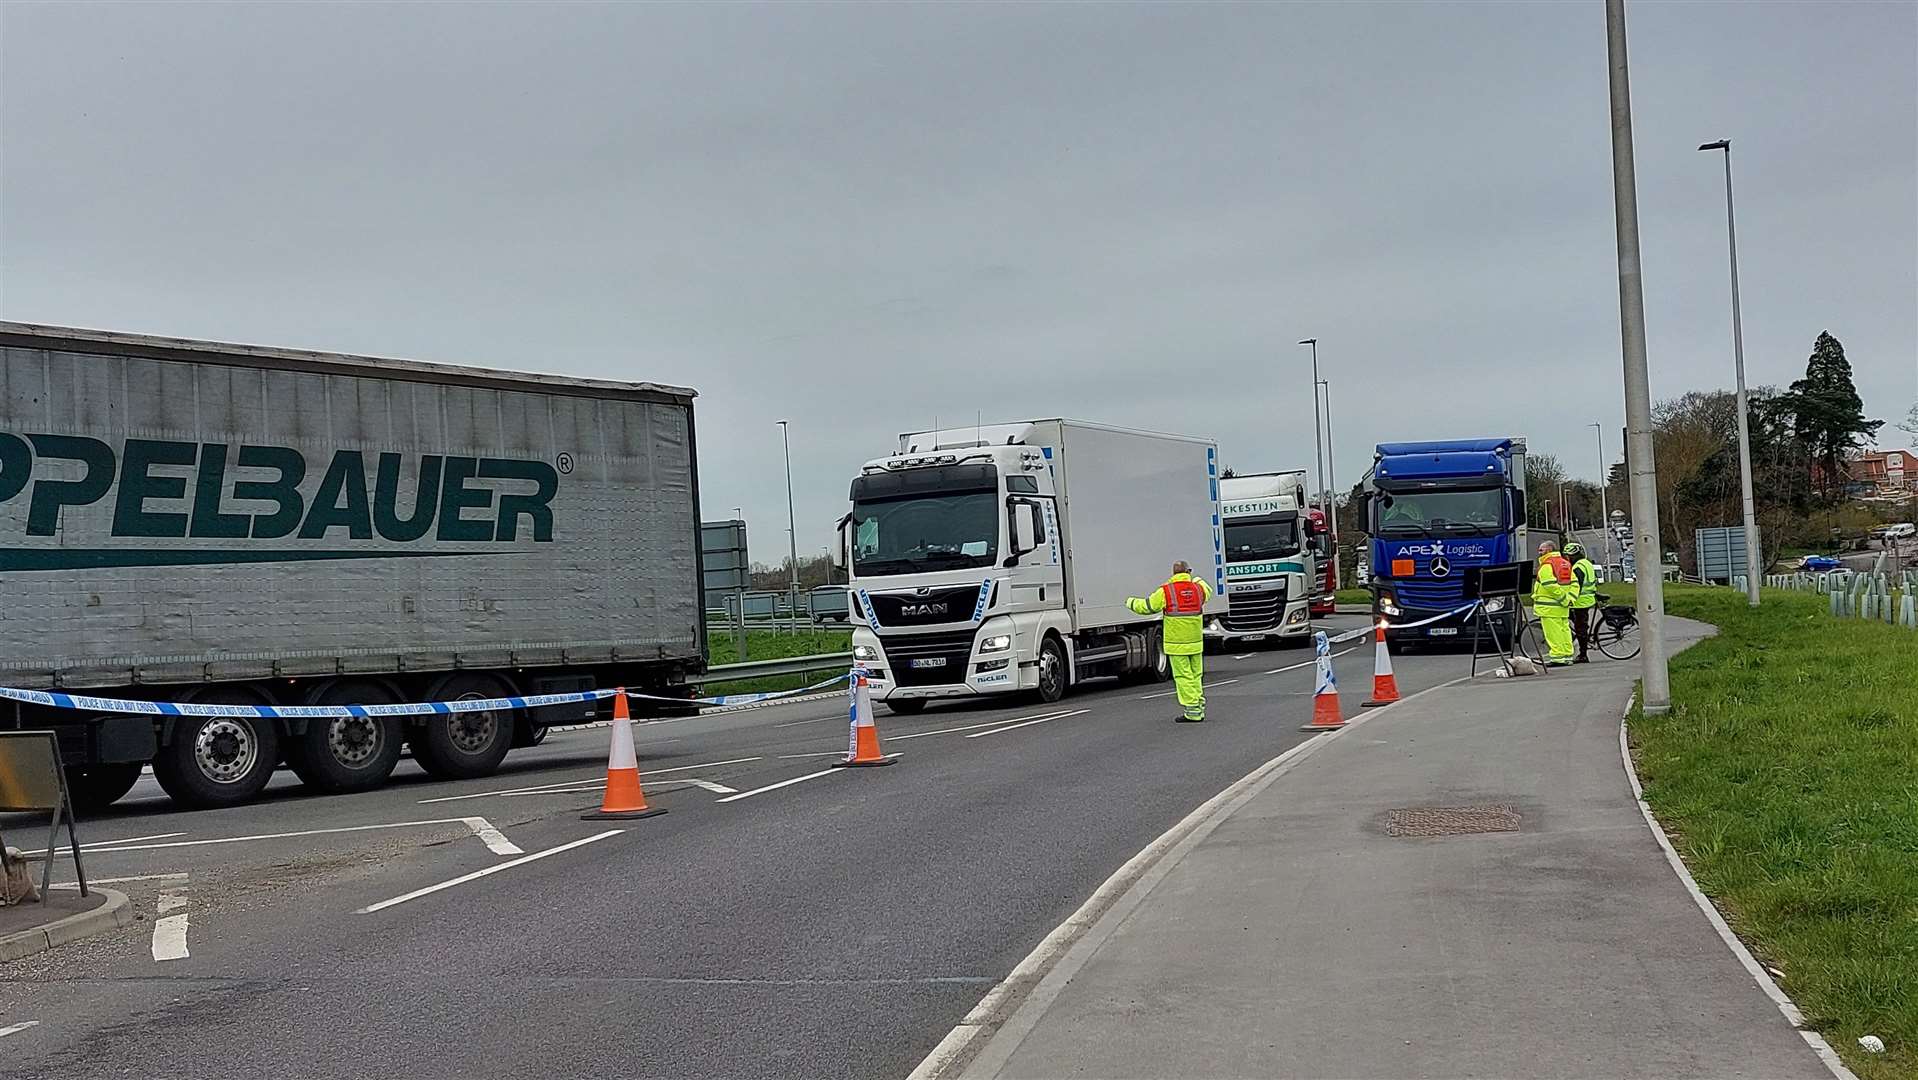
(997, 559)
(192, 522)
(1270, 566)
(1434, 512)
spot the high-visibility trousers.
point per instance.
(1188, 678)
(1557, 624)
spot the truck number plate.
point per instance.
(1251, 638)
(930, 661)
(1443, 631)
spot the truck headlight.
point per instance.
(864, 652)
(1389, 606)
(996, 643)
(1497, 603)
(1299, 616)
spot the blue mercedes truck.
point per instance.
(1433, 512)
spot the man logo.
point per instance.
(922, 609)
(1441, 566)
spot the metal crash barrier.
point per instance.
(31, 780)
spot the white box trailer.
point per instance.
(188, 521)
(999, 558)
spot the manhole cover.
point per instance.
(1451, 820)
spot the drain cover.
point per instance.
(1451, 820)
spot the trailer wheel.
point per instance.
(96, 787)
(461, 746)
(352, 753)
(218, 760)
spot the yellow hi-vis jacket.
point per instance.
(1181, 603)
(1552, 586)
(1585, 573)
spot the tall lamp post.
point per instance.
(1318, 438)
(792, 527)
(1656, 696)
(1738, 359)
(1332, 480)
(1604, 498)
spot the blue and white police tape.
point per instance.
(89, 703)
(1354, 635)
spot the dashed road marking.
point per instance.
(1306, 663)
(477, 874)
(107, 843)
(15, 1029)
(781, 784)
(495, 841)
(468, 822)
(1244, 656)
(596, 778)
(1028, 723)
(974, 727)
(169, 931)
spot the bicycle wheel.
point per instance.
(1617, 642)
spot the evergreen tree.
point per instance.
(1828, 415)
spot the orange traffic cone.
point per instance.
(624, 799)
(1385, 688)
(864, 749)
(1325, 699)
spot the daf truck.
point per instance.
(211, 524)
(1434, 512)
(997, 559)
(1269, 562)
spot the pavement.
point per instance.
(782, 919)
(56, 919)
(1294, 934)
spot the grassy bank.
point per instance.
(772, 645)
(1360, 597)
(1787, 773)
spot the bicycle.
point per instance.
(1616, 633)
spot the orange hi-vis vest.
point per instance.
(1183, 598)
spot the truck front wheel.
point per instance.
(464, 745)
(96, 787)
(1053, 678)
(351, 753)
(218, 760)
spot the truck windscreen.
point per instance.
(916, 534)
(1479, 512)
(1246, 541)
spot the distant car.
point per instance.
(1902, 531)
(1819, 563)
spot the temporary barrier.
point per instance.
(624, 800)
(31, 779)
(1325, 698)
(1385, 688)
(864, 748)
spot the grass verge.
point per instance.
(1787, 774)
(1362, 597)
(722, 648)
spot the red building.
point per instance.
(1885, 471)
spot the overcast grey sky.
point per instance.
(865, 217)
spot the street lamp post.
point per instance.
(1744, 420)
(1332, 480)
(1604, 497)
(1656, 695)
(1318, 439)
(792, 525)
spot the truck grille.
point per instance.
(953, 646)
(1252, 612)
(1430, 594)
(944, 605)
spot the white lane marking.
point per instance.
(15, 1029)
(495, 841)
(281, 836)
(119, 880)
(477, 874)
(84, 850)
(798, 723)
(974, 727)
(717, 789)
(1758, 974)
(596, 778)
(169, 931)
(1307, 663)
(781, 784)
(1050, 965)
(828, 753)
(1244, 656)
(1028, 723)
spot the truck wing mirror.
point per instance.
(839, 558)
(1364, 510)
(1518, 506)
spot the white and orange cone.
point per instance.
(1385, 688)
(624, 800)
(864, 749)
(1325, 699)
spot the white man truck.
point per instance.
(1269, 565)
(997, 559)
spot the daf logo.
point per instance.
(922, 609)
(1441, 566)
